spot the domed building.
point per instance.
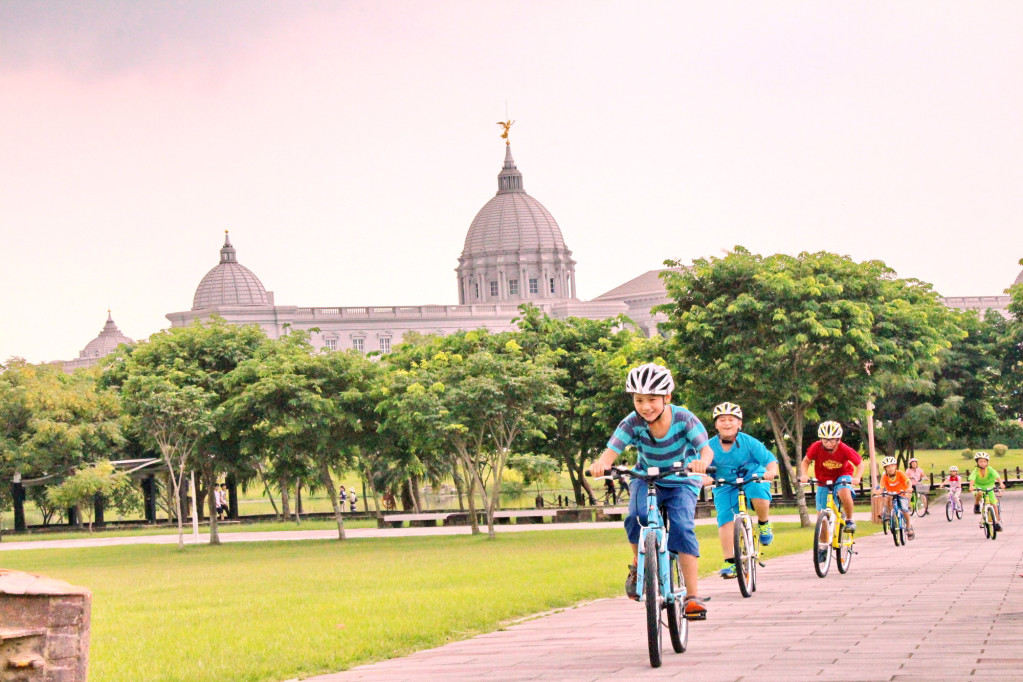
(104, 344)
(514, 252)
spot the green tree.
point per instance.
(595, 356)
(173, 384)
(80, 490)
(481, 400)
(785, 335)
(309, 411)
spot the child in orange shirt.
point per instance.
(895, 481)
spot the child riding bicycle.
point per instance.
(895, 481)
(662, 434)
(988, 478)
(733, 452)
(833, 462)
(954, 484)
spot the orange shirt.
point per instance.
(899, 484)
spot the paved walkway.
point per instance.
(948, 606)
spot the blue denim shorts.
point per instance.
(726, 499)
(681, 511)
(822, 491)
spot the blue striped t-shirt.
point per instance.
(685, 437)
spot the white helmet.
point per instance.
(913, 459)
(829, 430)
(727, 408)
(888, 460)
(981, 455)
(650, 379)
(953, 469)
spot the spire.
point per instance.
(110, 327)
(227, 253)
(509, 179)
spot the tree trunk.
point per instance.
(416, 497)
(211, 503)
(459, 487)
(285, 501)
(778, 427)
(473, 521)
(328, 481)
(298, 500)
(407, 503)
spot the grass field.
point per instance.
(279, 610)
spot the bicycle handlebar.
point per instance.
(618, 472)
(739, 480)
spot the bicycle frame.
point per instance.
(838, 540)
(655, 524)
(746, 565)
(895, 511)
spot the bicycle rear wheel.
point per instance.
(678, 626)
(845, 543)
(742, 545)
(652, 594)
(822, 548)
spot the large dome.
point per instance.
(512, 221)
(514, 250)
(229, 284)
(108, 339)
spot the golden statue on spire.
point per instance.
(506, 125)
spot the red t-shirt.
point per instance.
(827, 466)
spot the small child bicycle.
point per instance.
(746, 542)
(831, 534)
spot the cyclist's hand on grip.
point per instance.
(697, 466)
(599, 467)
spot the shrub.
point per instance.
(1000, 450)
(967, 453)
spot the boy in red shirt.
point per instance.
(833, 462)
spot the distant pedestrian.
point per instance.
(352, 499)
(343, 496)
(220, 497)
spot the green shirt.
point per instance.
(987, 480)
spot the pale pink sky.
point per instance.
(348, 145)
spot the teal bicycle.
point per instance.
(659, 581)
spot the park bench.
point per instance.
(703, 510)
(414, 520)
(524, 515)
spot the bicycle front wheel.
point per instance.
(885, 522)
(921, 505)
(989, 520)
(742, 544)
(822, 545)
(652, 593)
(845, 545)
(950, 509)
(678, 626)
(897, 523)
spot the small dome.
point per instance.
(513, 221)
(229, 284)
(1019, 278)
(108, 339)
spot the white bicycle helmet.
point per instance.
(913, 459)
(953, 469)
(727, 408)
(650, 379)
(888, 460)
(981, 455)
(829, 430)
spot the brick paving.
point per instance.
(948, 606)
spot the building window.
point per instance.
(493, 288)
(513, 287)
(552, 285)
(331, 344)
(476, 286)
(385, 344)
(359, 344)
(534, 285)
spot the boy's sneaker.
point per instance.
(976, 509)
(728, 570)
(822, 556)
(850, 526)
(998, 527)
(766, 533)
(695, 609)
(630, 584)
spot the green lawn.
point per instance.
(278, 610)
(936, 461)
